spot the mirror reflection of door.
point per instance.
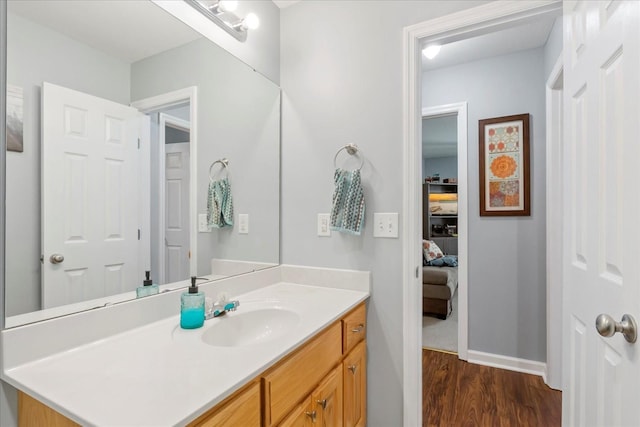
(174, 200)
(92, 186)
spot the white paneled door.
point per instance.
(91, 196)
(176, 212)
(601, 375)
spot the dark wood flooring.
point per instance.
(457, 393)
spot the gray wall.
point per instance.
(507, 270)
(447, 167)
(36, 54)
(238, 118)
(342, 82)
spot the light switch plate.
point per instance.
(385, 225)
(323, 225)
(202, 224)
(243, 223)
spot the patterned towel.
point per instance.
(347, 212)
(219, 204)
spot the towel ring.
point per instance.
(225, 164)
(353, 150)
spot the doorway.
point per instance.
(174, 174)
(444, 223)
(171, 213)
(465, 24)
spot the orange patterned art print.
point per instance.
(504, 166)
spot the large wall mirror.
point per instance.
(134, 144)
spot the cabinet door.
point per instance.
(355, 387)
(327, 399)
(303, 415)
(242, 410)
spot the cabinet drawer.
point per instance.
(294, 378)
(354, 328)
(240, 410)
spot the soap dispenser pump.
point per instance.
(147, 288)
(192, 307)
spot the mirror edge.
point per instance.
(3, 154)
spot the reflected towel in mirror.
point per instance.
(219, 204)
(347, 212)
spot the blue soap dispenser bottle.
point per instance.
(192, 307)
(147, 288)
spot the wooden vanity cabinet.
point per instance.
(242, 409)
(323, 407)
(355, 387)
(321, 384)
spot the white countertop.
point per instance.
(160, 375)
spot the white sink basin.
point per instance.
(253, 327)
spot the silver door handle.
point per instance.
(56, 258)
(607, 327)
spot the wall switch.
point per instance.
(202, 224)
(243, 223)
(385, 225)
(323, 225)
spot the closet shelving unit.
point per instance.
(434, 225)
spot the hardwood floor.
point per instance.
(457, 393)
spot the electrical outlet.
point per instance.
(243, 223)
(323, 225)
(385, 225)
(202, 224)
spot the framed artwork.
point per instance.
(504, 166)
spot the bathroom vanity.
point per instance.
(292, 354)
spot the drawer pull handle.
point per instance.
(358, 329)
(353, 368)
(312, 415)
(322, 403)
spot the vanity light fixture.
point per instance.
(431, 51)
(221, 13)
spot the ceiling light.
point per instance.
(228, 5)
(221, 14)
(431, 51)
(250, 22)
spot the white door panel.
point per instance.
(601, 267)
(90, 196)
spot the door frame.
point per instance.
(463, 24)
(554, 221)
(165, 119)
(460, 109)
(169, 99)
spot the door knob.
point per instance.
(607, 327)
(56, 258)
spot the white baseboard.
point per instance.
(507, 362)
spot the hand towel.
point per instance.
(219, 204)
(347, 212)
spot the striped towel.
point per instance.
(347, 212)
(219, 204)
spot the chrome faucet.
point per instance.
(221, 307)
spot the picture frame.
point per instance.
(505, 188)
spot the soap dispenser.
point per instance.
(147, 288)
(192, 307)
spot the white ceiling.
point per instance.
(439, 134)
(522, 37)
(285, 3)
(129, 30)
